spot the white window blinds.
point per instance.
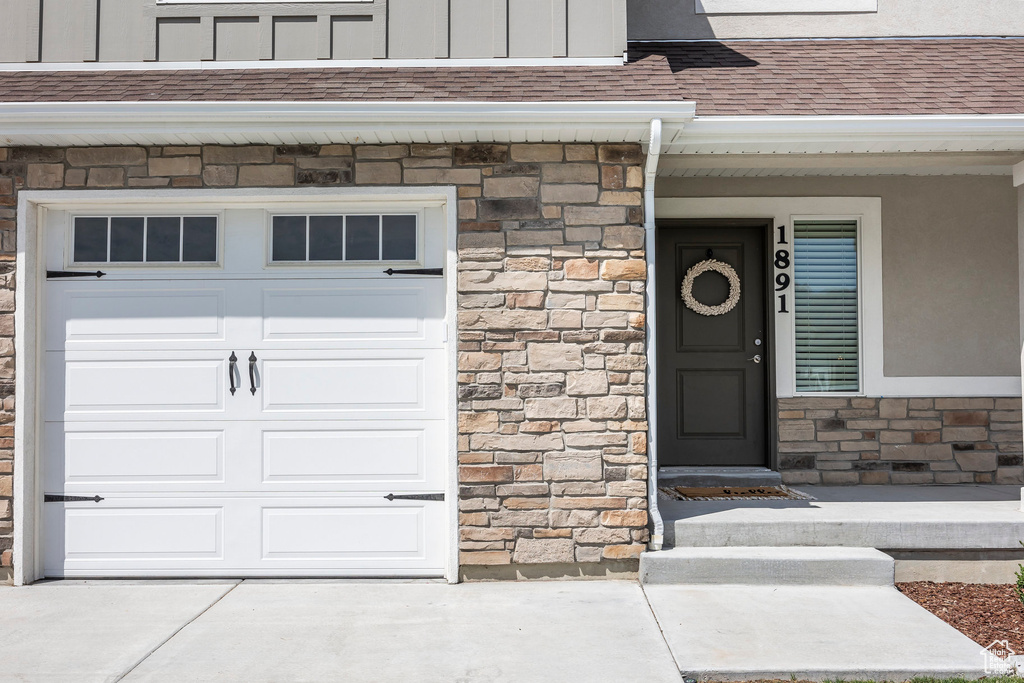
(826, 306)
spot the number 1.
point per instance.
(782, 304)
(782, 234)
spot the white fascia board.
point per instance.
(113, 122)
(969, 132)
(318, 64)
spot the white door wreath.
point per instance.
(704, 267)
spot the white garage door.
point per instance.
(244, 391)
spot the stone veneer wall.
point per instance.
(552, 445)
(837, 441)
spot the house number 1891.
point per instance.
(782, 262)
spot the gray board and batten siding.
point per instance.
(149, 30)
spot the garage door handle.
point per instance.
(232, 360)
(252, 372)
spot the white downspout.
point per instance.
(650, 175)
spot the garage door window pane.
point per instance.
(326, 238)
(289, 238)
(145, 239)
(90, 240)
(399, 241)
(336, 238)
(126, 239)
(362, 238)
(199, 242)
(163, 240)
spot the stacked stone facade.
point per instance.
(552, 423)
(839, 441)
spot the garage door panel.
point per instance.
(124, 532)
(348, 314)
(367, 533)
(245, 536)
(366, 385)
(144, 386)
(374, 456)
(98, 460)
(133, 315)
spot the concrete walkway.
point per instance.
(413, 632)
(742, 632)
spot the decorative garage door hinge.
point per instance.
(51, 274)
(51, 498)
(417, 496)
(439, 272)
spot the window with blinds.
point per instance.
(826, 306)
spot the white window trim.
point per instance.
(783, 211)
(778, 6)
(32, 207)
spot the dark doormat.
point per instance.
(734, 493)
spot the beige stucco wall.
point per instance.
(1020, 256)
(949, 264)
(676, 19)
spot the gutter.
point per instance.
(650, 176)
(204, 122)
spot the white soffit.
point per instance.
(276, 123)
(762, 165)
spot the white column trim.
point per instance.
(650, 223)
(1018, 174)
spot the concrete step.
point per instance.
(828, 566)
(718, 476)
(817, 633)
(896, 518)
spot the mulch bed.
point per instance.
(983, 612)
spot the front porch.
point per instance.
(968, 533)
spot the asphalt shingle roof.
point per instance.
(891, 76)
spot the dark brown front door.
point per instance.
(712, 370)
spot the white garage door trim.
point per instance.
(32, 207)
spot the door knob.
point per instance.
(756, 359)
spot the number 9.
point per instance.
(782, 281)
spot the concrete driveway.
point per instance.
(320, 631)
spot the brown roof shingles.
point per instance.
(821, 77)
